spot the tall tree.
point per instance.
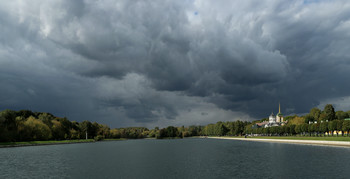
(324, 127)
(339, 126)
(329, 112)
(85, 127)
(315, 113)
(37, 129)
(332, 126)
(8, 125)
(220, 129)
(346, 126)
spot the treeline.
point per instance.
(26, 125)
(316, 123)
(315, 129)
(178, 132)
(236, 128)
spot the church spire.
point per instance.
(279, 107)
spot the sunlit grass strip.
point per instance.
(327, 138)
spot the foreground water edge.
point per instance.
(179, 158)
(334, 141)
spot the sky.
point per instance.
(160, 63)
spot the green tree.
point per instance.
(316, 128)
(115, 134)
(346, 126)
(329, 112)
(304, 128)
(310, 129)
(292, 129)
(348, 112)
(36, 129)
(220, 129)
(298, 129)
(104, 131)
(85, 128)
(324, 127)
(315, 113)
(66, 126)
(332, 126)
(25, 113)
(341, 115)
(8, 126)
(309, 118)
(57, 130)
(339, 126)
(74, 134)
(46, 118)
(171, 131)
(323, 117)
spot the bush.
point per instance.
(98, 138)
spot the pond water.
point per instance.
(178, 158)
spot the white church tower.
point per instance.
(272, 118)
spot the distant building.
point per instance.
(273, 121)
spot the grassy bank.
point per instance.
(328, 138)
(51, 142)
(29, 143)
(114, 139)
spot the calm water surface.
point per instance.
(187, 158)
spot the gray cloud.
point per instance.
(158, 62)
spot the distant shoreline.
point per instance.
(52, 142)
(291, 141)
(38, 143)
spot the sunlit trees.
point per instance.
(46, 118)
(115, 133)
(26, 125)
(103, 130)
(346, 126)
(36, 129)
(58, 132)
(296, 120)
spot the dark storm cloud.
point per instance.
(152, 62)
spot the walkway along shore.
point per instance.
(308, 142)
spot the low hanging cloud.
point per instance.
(148, 63)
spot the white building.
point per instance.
(277, 120)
